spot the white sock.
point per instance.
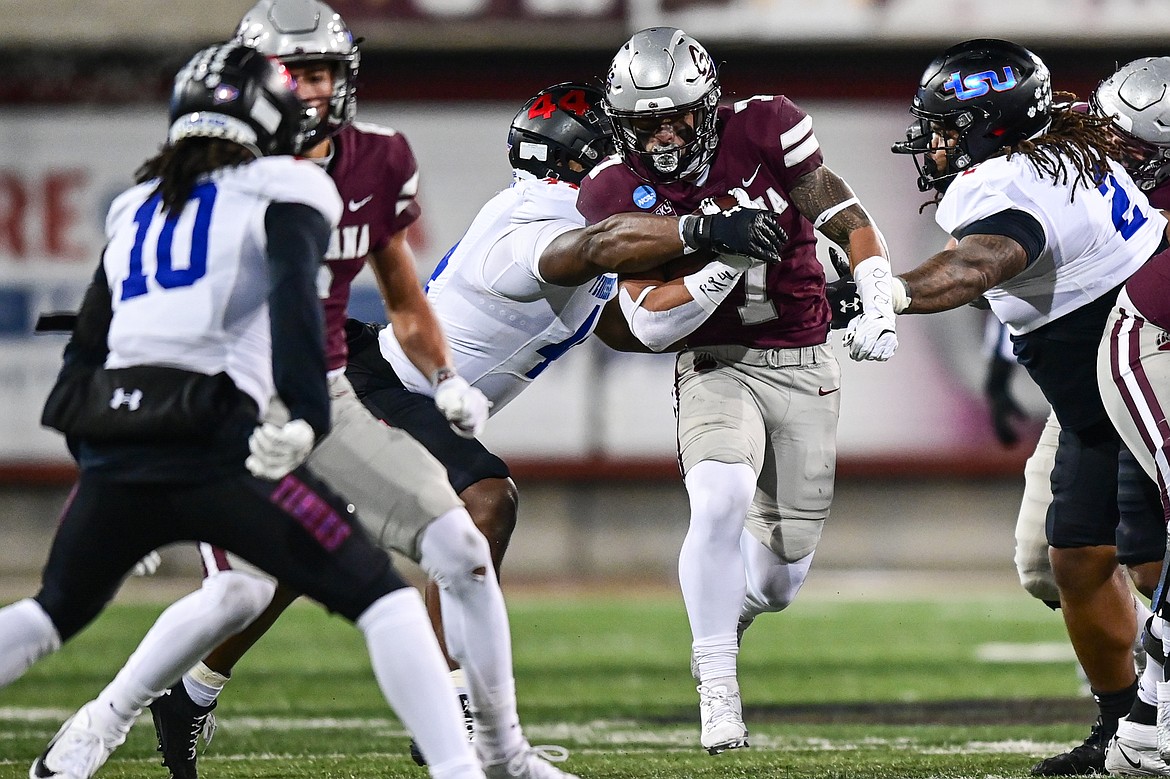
(412, 674)
(26, 635)
(710, 564)
(183, 634)
(204, 685)
(475, 622)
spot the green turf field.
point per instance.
(967, 687)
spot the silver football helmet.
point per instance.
(303, 31)
(662, 72)
(1137, 97)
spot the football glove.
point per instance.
(873, 335)
(844, 301)
(750, 232)
(277, 450)
(464, 406)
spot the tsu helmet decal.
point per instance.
(236, 93)
(558, 126)
(299, 32)
(974, 99)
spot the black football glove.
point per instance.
(749, 232)
(843, 300)
(1006, 414)
(840, 263)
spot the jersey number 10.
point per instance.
(165, 272)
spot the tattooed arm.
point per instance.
(958, 275)
(826, 200)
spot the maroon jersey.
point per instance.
(766, 144)
(377, 177)
(1149, 287)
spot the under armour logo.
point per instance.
(853, 304)
(131, 400)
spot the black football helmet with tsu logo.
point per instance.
(662, 72)
(978, 97)
(236, 93)
(558, 126)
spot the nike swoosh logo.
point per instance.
(823, 391)
(1121, 749)
(748, 182)
(354, 205)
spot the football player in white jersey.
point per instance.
(528, 281)
(1048, 227)
(203, 309)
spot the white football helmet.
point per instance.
(1137, 98)
(660, 72)
(303, 31)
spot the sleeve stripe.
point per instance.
(801, 152)
(410, 188)
(792, 136)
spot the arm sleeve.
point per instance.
(88, 347)
(1020, 226)
(659, 329)
(298, 236)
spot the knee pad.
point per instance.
(452, 550)
(791, 539)
(239, 597)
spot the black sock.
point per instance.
(1115, 705)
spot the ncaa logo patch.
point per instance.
(645, 197)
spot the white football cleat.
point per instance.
(1133, 751)
(78, 750)
(531, 763)
(721, 717)
(1163, 726)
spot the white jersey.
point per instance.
(505, 323)
(191, 291)
(1092, 244)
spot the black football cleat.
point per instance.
(178, 723)
(1085, 759)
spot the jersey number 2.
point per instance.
(1127, 224)
(165, 272)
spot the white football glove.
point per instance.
(277, 450)
(873, 335)
(464, 406)
(147, 566)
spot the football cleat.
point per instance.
(721, 718)
(1084, 759)
(179, 722)
(468, 722)
(1133, 751)
(531, 763)
(1163, 726)
(78, 750)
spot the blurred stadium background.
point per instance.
(923, 484)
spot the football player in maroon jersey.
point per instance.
(756, 381)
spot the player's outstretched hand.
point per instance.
(277, 450)
(871, 337)
(464, 406)
(750, 232)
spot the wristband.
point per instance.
(710, 285)
(901, 295)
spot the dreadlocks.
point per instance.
(1083, 140)
(179, 166)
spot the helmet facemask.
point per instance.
(923, 142)
(672, 162)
